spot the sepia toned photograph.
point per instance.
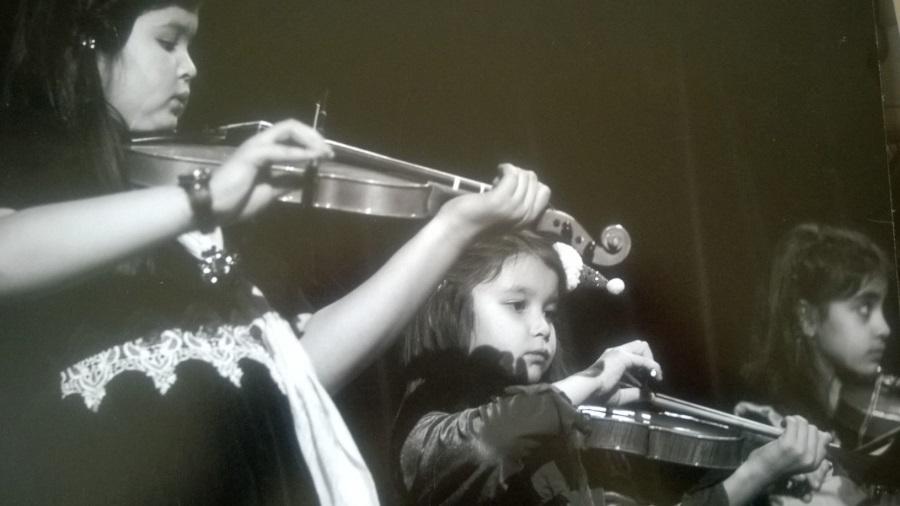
(529, 253)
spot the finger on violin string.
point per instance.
(791, 427)
(823, 439)
(813, 438)
(644, 367)
(505, 183)
(503, 170)
(521, 190)
(531, 189)
(641, 378)
(638, 347)
(528, 210)
(541, 201)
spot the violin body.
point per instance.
(336, 186)
(668, 437)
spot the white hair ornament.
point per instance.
(579, 274)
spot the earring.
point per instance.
(88, 42)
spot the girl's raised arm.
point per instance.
(45, 246)
(346, 336)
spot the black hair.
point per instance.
(817, 264)
(444, 324)
(52, 71)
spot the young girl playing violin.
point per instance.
(139, 364)
(489, 415)
(823, 327)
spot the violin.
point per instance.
(870, 412)
(357, 181)
(680, 432)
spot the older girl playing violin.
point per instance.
(139, 365)
(824, 325)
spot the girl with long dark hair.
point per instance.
(139, 364)
(822, 327)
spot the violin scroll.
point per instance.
(612, 248)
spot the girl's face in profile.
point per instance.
(851, 334)
(148, 81)
(514, 314)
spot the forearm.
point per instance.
(48, 245)
(578, 387)
(347, 335)
(746, 483)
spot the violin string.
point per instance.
(870, 410)
(874, 443)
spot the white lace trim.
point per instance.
(158, 360)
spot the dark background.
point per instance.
(706, 128)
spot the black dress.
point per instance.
(463, 436)
(141, 385)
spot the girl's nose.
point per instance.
(187, 69)
(540, 326)
(880, 325)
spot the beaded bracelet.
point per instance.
(196, 184)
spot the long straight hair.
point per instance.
(52, 71)
(818, 264)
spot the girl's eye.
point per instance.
(166, 44)
(517, 305)
(864, 310)
(550, 316)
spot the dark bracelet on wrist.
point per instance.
(196, 184)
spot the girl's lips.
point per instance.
(179, 103)
(539, 354)
(182, 98)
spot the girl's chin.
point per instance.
(866, 371)
(162, 124)
(535, 373)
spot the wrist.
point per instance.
(452, 230)
(761, 467)
(196, 186)
(748, 481)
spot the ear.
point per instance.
(104, 66)
(808, 317)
